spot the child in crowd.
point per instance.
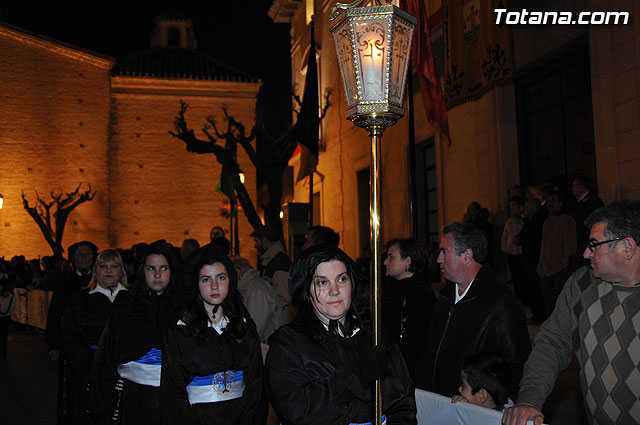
(485, 381)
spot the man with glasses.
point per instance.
(597, 318)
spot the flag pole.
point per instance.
(412, 155)
(311, 199)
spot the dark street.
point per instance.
(28, 390)
(28, 377)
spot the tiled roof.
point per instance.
(178, 63)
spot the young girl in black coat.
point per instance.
(125, 377)
(212, 362)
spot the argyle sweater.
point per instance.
(600, 323)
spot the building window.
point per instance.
(173, 37)
(427, 189)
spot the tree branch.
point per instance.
(223, 156)
(41, 214)
(35, 214)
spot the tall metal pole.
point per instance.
(236, 239)
(311, 199)
(375, 133)
(412, 157)
(232, 206)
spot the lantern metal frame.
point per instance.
(373, 99)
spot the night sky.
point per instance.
(226, 31)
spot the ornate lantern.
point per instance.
(373, 45)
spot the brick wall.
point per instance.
(65, 121)
(54, 122)
(158, 189)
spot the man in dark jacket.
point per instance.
(586, 201)
(82, 255)
(473, 313)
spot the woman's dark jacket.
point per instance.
(488, 318)
(82, 325)
(407, 305)
(68, 285)
(186, 356)
(135, 327)
(313, 382)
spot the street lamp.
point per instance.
(373, 45)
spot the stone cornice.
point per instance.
(282, 11)
(57, 47)
(174, 87)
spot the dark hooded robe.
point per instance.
(212, 374)
(125, 375)
(84, 319)
(68, 284)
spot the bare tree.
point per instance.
(57, 209)
(235, 134)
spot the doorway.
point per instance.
(555, 118)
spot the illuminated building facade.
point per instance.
(72, 116)
(571, 108)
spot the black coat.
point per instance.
(406, 309)
(530, 237)
(580, 211)
(313, 382)
(82, 325)
(488, 319)
(67, 286)
(136, 326)
(186, 356)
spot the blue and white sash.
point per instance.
(384, 421)
(145, 370)
(216, 387)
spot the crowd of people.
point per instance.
(543, 240)
(168, 335)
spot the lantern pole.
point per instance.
(375, 213)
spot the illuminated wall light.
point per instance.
(241, 178)
(309, 12)
(1, 200)
(281, 214)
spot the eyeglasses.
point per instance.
(593, 244)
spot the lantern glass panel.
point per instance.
(344, 50)
(371, 45)
(402, 34)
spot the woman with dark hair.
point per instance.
(82, 323)
(212, 362)
(320, 368)
(408, 299)
(125, 376)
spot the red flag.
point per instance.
(427, 73)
